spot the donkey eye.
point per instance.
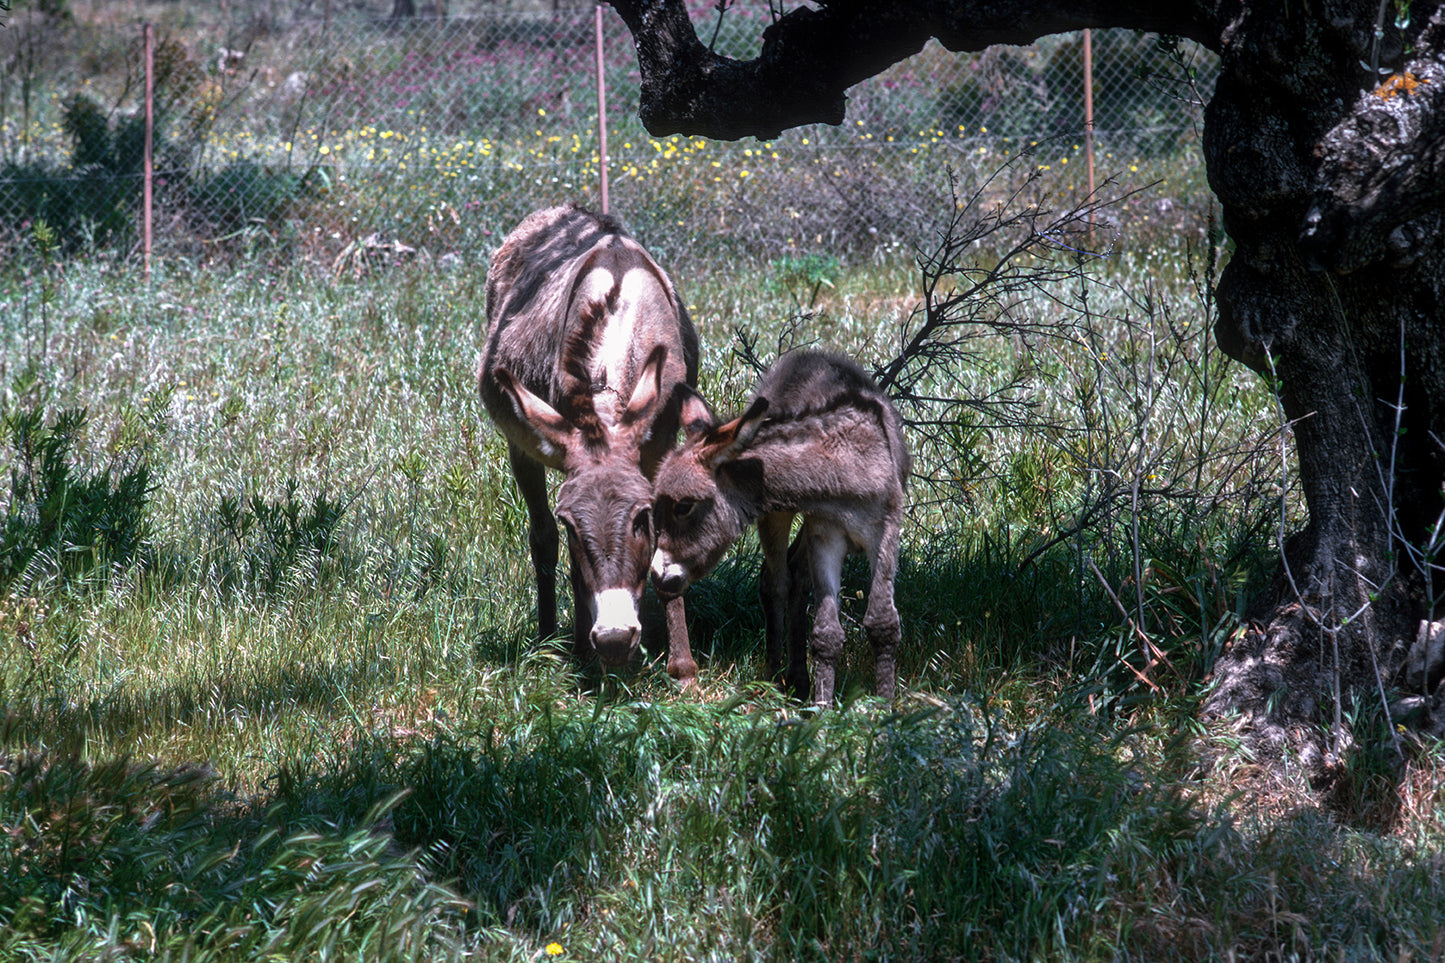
(642, 522)
(683, 507)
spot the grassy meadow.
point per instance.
(277, 696)
(267, 673)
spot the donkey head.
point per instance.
(698, 518)
(605, 501)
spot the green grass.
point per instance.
(306, 719)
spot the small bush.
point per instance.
(58, 519)
(807, 272)
(247, 193)
(93, 200)
(83, 208)
(263, 543)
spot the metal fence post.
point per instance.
(601, 113)
(1089, 115)
(149, 160)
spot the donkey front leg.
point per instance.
(680, 663)
(531, 479)
(775, 591)
(827, 547)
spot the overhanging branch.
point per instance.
(812, 55)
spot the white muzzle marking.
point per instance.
(616, 618)
(664, 568)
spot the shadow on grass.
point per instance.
(848, 832)
(115, 859)
(965, 614)
(260, 694)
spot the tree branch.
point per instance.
(811, 56)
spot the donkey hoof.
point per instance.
(684, 673)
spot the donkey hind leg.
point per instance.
(531, 479)
(827, 547)
(881, 622)
(800, 597)
(774, 592)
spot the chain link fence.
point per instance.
(350, 131)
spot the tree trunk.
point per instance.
(1332, 186)
(1336, 293)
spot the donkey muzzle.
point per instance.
(668, 577)
(616, 627)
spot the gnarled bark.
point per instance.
(1332, 186)
(1321, 294)
(1380, 182)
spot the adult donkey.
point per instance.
(587, 344)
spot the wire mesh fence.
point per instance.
(428, 127)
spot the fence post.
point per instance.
(1089, 108)
(149, 160)
(601, 113)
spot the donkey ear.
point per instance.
(694, 412)
(553, 431)
(750, 422)
(732, 439)
(642, 405)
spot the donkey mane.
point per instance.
(570, 228)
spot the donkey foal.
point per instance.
(819, 440)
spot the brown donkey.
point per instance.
(819, 440)
(587, 344)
